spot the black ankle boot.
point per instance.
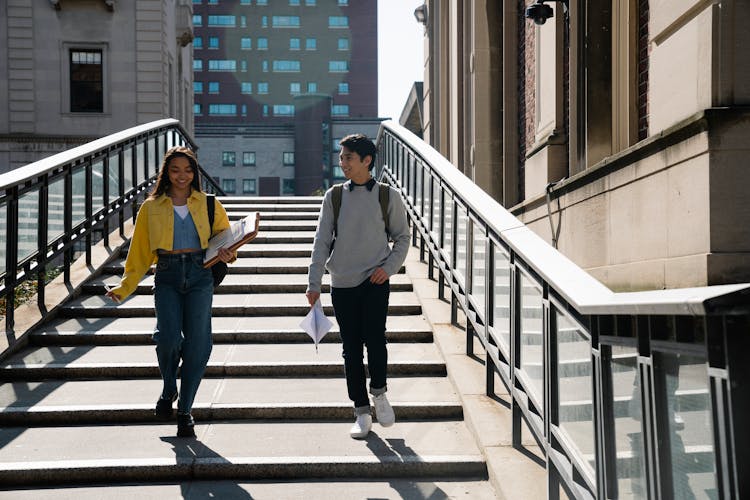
(185, 425)
(164, 410)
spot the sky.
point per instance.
(400, 54)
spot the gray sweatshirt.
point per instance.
(361, 245)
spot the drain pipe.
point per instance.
(555, 232)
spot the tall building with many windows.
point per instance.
(277, 83)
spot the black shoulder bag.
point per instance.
(219, 270)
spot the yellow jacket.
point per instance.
(154, 229)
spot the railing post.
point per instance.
(42, 238)
(11, 259)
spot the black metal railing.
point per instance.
(629, 395)
(58, 207)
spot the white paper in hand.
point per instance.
(316, 324)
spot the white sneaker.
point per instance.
(383, 410)
(361, 427)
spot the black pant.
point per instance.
(361, 312)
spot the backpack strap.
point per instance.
(211, 206)
(383, 197)
(336, 195)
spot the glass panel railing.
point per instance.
(501, 300)
(409, 160)
(448, 227)
(55, 209)
(78, 210)
(151, 167)
(478, 267)
(630, 461)
(575, 387)
(140, 163)
(532, 350)
(436, 209)
(127, 180)
(462, 241)
(28, 225)
(114, 177)
(687, 409)
(418, 197)
(97, 186)
(3, 235)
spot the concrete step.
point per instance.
(279, 304)
(242, 360)
(77, 402)
(236, 450)
(243, 283)
(277, 215)
(290, 265)
(260, 329)
(268, 490)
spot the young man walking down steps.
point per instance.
(356, 222)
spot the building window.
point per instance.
(264, 21)
(245, 2)
(222, 65)
(338, 66)
(243, 65)
(311, 3)
(222, 109)
(338, 21)
(343, 88)
(246, 43)
(213, 2)
(86, 81)
(312, 87)
(248, 186)
(287, 186)
(263, 87)
(197, 42)
(248, 159)
(285, 21)
(197, 65)
(228, 159)
(311, 44)
(343, 3)
(261, 2)
(265, 110)
(288, 158)
(262, 43)
(228, 185)
(244, 110)
(243, 21)
(264, 66)
(213, 87)
(343, 44)
(222, 21)
(293, 2)
(286, 66)
(196, 2)
(197, 87)
(197, 20)
(340, 110)
(197, 109)
(283, 110)
(213, 42)
(295, 88)
(247, 87)
(294, 44)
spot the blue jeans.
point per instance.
(361, 313)
(183, 295)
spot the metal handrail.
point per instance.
(119, 167)
(547, 326)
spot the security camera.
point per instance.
(539, 13)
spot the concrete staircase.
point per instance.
(272, 416)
